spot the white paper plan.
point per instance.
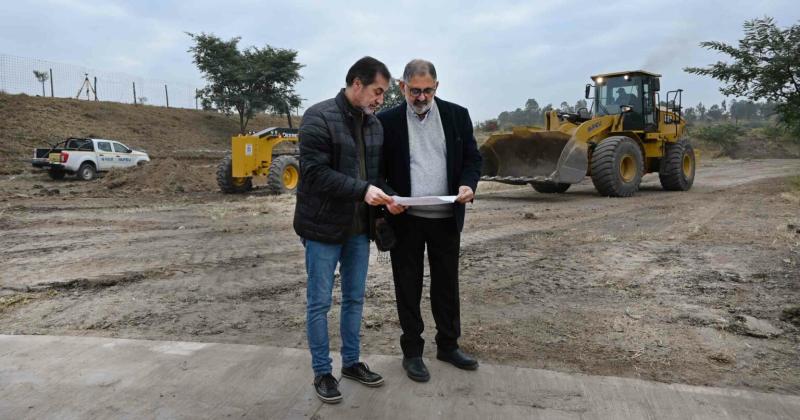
(424, 201)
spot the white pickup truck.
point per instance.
(85, 157)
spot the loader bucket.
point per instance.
(534, 156)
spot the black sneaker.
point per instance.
(327, 388)
(360, 372)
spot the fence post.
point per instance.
(51, 83)
(134, 93)
(196, 94)
(95, 88)
(166, 94)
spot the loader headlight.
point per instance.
(627, 77)
(599, 80)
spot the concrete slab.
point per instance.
(85, 377)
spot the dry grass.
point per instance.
(27, 122)
(9, 301)
(794, 182)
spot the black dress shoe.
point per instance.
(327, 388)
(458, 359)
(415, 369)
(360, 372)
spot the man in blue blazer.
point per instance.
(428, 150)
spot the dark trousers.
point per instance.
(443, 242)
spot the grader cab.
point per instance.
(269, 154)
(626, 135)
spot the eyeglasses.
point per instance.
(417, 91)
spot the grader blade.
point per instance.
(534, 156)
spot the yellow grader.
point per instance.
(627, 135)
(260, 155)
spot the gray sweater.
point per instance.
(428, 153)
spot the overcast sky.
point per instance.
(490, 56)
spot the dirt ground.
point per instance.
(701, 287)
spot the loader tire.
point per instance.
(551, 188)
(617, 167)
(56, 174)
(677, 167)
(226, 181)
(284, 175)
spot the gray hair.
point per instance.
(418, 67)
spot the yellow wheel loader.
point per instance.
(627, 135)
(261, 154)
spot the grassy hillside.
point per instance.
(27, 122)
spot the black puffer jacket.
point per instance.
(329, 171)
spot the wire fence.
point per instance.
(46, 78)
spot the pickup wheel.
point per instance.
(87, 172)
(57, 174)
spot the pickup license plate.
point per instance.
(55, 157)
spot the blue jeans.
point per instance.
(321, 260)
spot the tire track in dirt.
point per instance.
(126, 252)
(719, 178)
(153, 274)
(160, 237)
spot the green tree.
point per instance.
(42, 77)
(715, 112)
(766, 65)
(743, 110)
(701, 111)
(392, 97)
(690, 114)
(532, 106)
(581, 104)
(246, 81)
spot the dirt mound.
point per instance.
(762, 147)
(27, 122)
(163, 176)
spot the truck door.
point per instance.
(122, 155)
(105, 156)
(650, 107)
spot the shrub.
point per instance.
(725, 136)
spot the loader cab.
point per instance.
(632, 93)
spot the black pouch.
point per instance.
(384, 235)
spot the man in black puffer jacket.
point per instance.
(340, 186)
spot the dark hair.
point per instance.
(366, 69)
